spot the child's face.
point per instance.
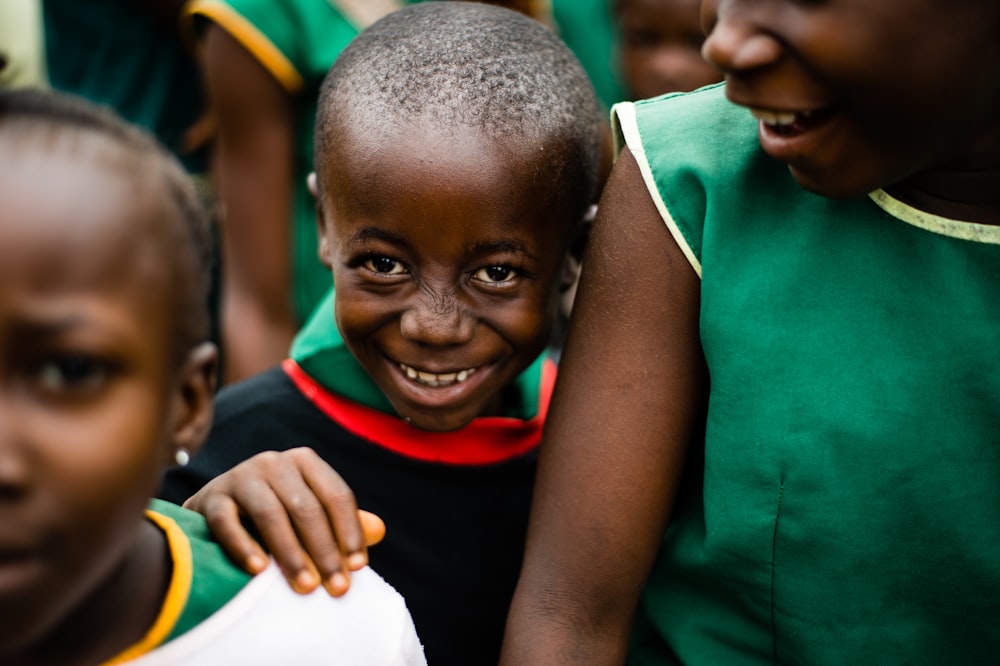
(660, 48)
(857, 94)
(85, 323)
(446, 255)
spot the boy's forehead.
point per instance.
(428, 175)
(481, 166)
(382, 158)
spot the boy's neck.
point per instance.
(119, 612)
(967, 195)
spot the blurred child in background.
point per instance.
(105, 379)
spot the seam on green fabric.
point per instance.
(774, 547)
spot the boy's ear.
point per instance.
(573, 262)
(324, 243)
(193, 401)
(574, 254)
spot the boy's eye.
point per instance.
(384, 265)
(74, 373)
(492, 274)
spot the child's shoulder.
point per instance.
(226, 614)
(699, 126)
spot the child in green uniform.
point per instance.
(774, 438)
(106, 379)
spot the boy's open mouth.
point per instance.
(436, 380)
(790, 123)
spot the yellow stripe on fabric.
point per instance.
(623, 119)
(177, 592)
(252, 39)
(943, 226)
(362, 13)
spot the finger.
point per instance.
(223, 518)
(373, 527)
(310, 518)
(266, 509)
(340, 508)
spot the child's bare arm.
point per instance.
(626, 404)
(304, 512)
(253, 167)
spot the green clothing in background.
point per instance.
(113, 53)
(587, 27)
(297, 42)
(845, 506)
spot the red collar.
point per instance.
(487, 440)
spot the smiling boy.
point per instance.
(456, 151)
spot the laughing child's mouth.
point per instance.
(436, 380)
(789, 123)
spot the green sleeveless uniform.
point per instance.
(845, 506)
(118, 54)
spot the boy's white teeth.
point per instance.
(435, 380)
(776, 118)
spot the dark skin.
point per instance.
(447, 250)
(633, 262)
(877, 101)
(660, 48)
(589, 553)
(253, 169)
(95, 403)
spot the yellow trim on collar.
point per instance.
(362, 13)
(177, 592)
(252, 39)
(943, 226)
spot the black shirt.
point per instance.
(455, 532)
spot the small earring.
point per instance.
(182, 457)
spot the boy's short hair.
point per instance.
(61, 121)
(466, 64)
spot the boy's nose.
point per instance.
(734, 42)
(432, 322)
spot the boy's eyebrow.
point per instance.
(509, 246)
(375, 233)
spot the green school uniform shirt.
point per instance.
(844, 506)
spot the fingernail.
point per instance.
(337, 584)
(356, 561)
(256, 564)
(305, 581)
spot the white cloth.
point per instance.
(269, 624)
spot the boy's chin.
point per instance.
(445, 421)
